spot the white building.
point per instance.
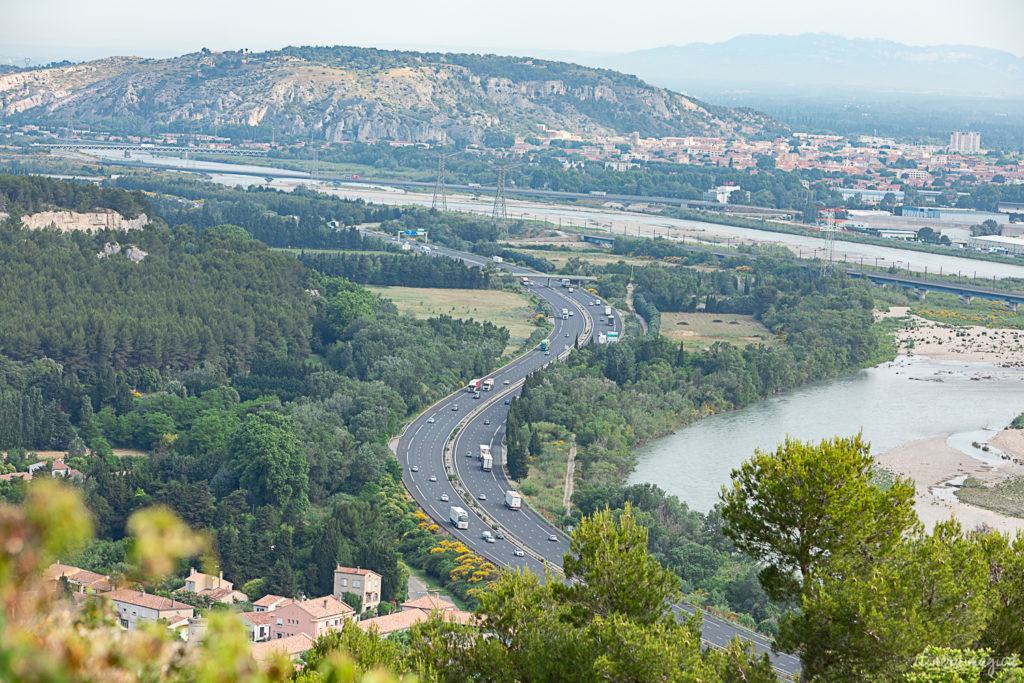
(135, 608)
(720, 194)
(997, 244)
(965, 142)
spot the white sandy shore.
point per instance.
(967, 343)
(932, 462)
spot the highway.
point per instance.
(443, 443)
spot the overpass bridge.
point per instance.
(922, 286)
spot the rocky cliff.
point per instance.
(339, 93)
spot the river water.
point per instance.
(893, 404)
(612, 221)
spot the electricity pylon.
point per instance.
(440, 194)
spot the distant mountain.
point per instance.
(763, 63)
(345, 93)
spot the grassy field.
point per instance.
(947, 308)
(598, 257)
(514, 311)
(1006, 497)
(544, 485)
(704, 329)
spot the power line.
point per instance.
(440, 201)
(499, 214)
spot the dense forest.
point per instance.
(35, 193)
(263, 393)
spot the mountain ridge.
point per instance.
(342, 93)
(814, 59)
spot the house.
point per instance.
(413, 612)
(257, 625)
(60, 469)
(268, 603)
(79, 580)
(136, 607)
(290, 646)
(213, 587)
(313, 617)
(363, 582)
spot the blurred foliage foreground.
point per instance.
(609, 620)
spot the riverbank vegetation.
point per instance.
(614, 397)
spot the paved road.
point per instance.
(424, 444)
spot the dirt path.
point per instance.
(629, 302)
(570, 471)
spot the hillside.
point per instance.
(341, 93)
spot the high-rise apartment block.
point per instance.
(965, 142)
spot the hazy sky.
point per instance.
(77, 29)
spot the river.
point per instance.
(893, 404)
(621, 222)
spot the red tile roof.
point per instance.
(327, 606)
(289, 645)
(147, 600)
(428, 603)
(354, 570)
(272, 600)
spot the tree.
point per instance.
(609, 572)
(865, 617)
(793, 509)
(269, 463)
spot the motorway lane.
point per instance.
(524, 525)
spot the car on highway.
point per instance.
(506, 382)
(552, 537)
(566, 334)
(455, 406)
(499, 535)
(481, 496)
(547, 353)
(444, 497)
(415, 468)
(487, 422)
(487, 536)
(433, 477)
(571, 313)
(469, 454)
(507, 401)
(518, 552)
(430, 420)
(476, 394)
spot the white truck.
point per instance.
(497, 259)
(458, 517)
(487, 385)
(565, 314)
(485, 449)
(607, 310)
(486, 462)
(565, 282)
(512, 500)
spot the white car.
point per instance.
(444, 497)
(430, 420)
(415, 468)
(506, 382)
(433, 478)
(482, 496)
(518, 552)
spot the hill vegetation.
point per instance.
(339, 94)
